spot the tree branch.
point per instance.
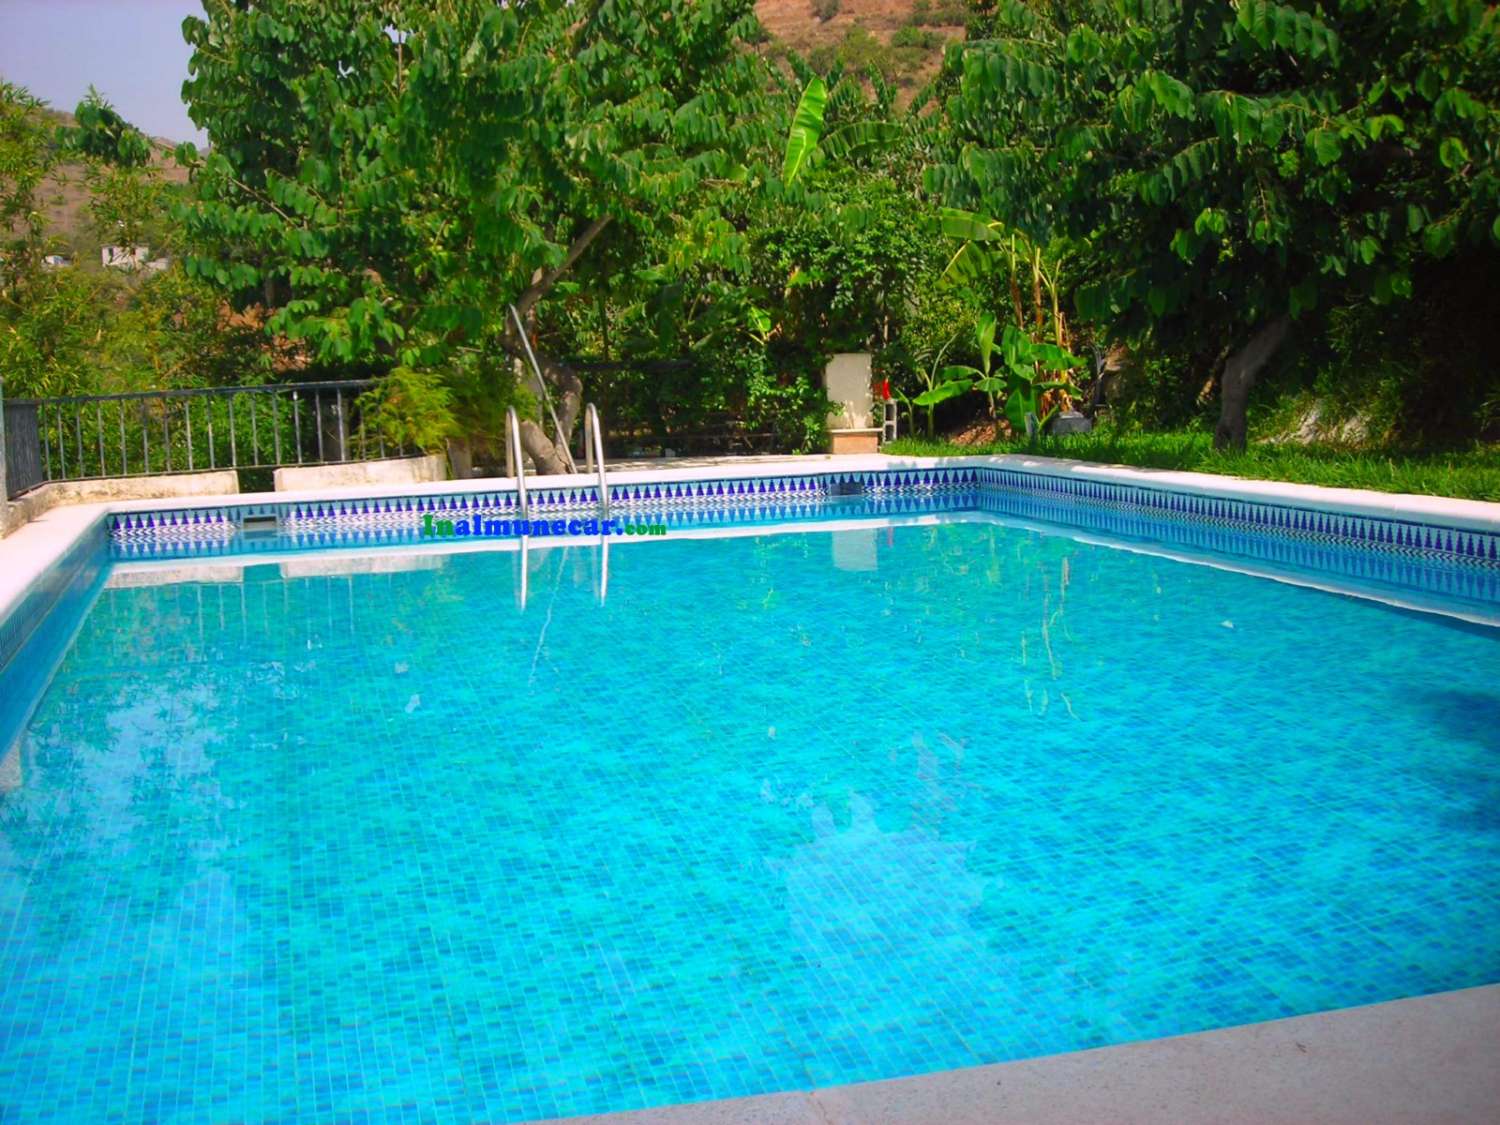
(539, 288)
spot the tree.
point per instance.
(389, 175)
(79, 331)
(102, 134)
(27, 156)
(1236, 167)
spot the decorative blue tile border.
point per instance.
(1461, 562)
(390, 521)
(1321, 553)
(1368, 533)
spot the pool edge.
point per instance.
(29, 552)
(1424, 1058)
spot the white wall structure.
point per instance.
(124, 257)
(847, 379)
(851, 417)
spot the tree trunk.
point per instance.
(461, 458)
(1240, 370)
(541, 449)
(566, 391)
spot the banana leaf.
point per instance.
(943, 392)
(807, 129)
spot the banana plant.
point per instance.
(1026, 372)
(1032, 368)
(929, 375)
(807, 147)
(960, 378)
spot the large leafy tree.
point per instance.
(1235, 167)
(389, 175)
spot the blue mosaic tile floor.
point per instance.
(784, 811)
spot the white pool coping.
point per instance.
(26, 553)
(1429, 1059)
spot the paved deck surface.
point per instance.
(1431, 1059)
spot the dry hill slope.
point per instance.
(903, 38)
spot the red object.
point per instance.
(885, 390)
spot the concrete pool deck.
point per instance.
(1428, 1059)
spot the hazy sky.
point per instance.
(132, 50)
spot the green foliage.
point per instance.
(807, 147)
(130, 206)
(410, 409)
(861, 52)
(806, 130)
(779, 396)
(27, 155)
(77, 331)
(101, 134)
(1472, 473)
(912, 36)
(1030, 368)
(49, 320)
(395, 174)
(993, 260)
(941, 13)
(936, 323)
(1421, 372)
(825, 10)
(840, 275)
(72, 331)
(1231, 163)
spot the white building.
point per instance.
(131, 258)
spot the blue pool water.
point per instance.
(785, 810)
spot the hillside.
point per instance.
(904, 39)
(64, 196)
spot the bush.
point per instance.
(410, 408)
(825, 10)
(859, 51)
(1418, 373)
(916, 37)
(939, 13)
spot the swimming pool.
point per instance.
(329, 834)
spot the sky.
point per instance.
(132, 50)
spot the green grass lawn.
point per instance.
(1472, 473)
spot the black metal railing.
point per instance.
(153, 432)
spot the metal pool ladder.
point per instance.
(593, 455)
(541, 383)
(515, 460)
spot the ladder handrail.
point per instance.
(515, 459)
(593, 453)
(536, 368)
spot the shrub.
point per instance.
(941, 13)
(410, 408)
(916, 37)
(825, 10)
